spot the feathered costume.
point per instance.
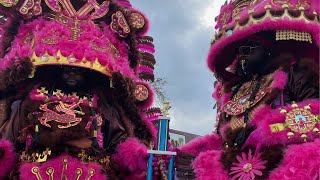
(96, 130)
(268, 109)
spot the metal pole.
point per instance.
(150, 168)
(170, 170)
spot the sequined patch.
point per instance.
(239, 105)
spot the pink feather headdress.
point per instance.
(286, 20)
(105, 36)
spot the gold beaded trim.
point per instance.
(293, 35)
(284, 13)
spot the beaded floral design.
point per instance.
(248, 166)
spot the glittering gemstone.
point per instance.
(45, 58)
(243, 100)
(72, 59)
(300, 118)
(23, 10)
(229, 32)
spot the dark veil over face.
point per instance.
(70, 79)
(253, 55)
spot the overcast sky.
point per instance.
(182, 30)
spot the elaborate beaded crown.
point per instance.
(102, 35)
(94, 35)
(296, 20)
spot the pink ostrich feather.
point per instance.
(217, 92)
(208, 166)
(124, 3)
(81, 48)
(147, 48)
(153, 117)
(8, 159)
(145, 69)
(224, 129)
(131, 156)
(223, 98)
(300, 162)
(279, 80)
(202, 144)
(248, 166)
(151, 126)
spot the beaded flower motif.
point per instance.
(247, 167)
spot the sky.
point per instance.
(182, 31)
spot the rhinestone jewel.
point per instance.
(44, 58)
(243, 100)
(229, 32)
(72, 59)
(299, 118)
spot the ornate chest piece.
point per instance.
(300, 121)
(238, 105)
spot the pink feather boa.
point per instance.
(207, 166)
(219, 95)
(208, 142)
(131, 156)
(8, 159)
(279, 80)
(299, 162)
